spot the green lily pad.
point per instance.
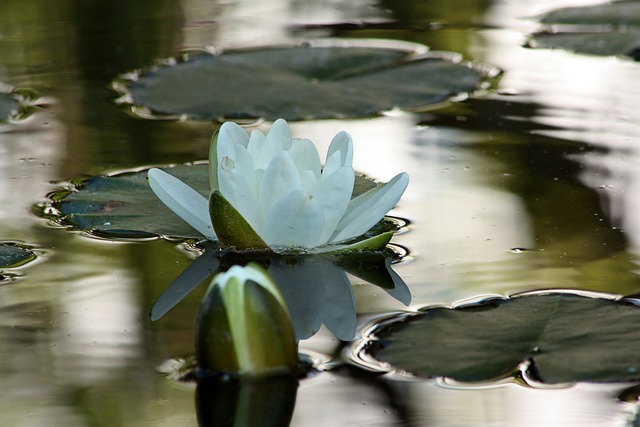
(608, 29)
(553, 338)
(618, 14)
(303, 82)
(9, 106)
(123, 205)
(14, 255)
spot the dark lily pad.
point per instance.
(553, 338)
(615, 14)
(303, 82)
(608, 29)
(9, 106)
(14, 255)
(123, 206)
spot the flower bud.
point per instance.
(244, 326)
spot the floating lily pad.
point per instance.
(615, 14)
(123, 206)
(9, 106)
(14, 255)
(303, 82)
(607, 29)
(559, 337)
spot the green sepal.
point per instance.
(231, 227)
(374, 243)
(213, 162)
(215, 350)
(271, 347)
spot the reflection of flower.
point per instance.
(316, 288)
(271, 191)
(244, 325)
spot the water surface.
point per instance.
(533, 185)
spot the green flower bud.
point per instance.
(244, 326)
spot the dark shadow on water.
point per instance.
(568, 217)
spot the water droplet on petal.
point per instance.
(227, 163)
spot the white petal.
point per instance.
(367, 209)
(279, 136)
(306, 157)
(334, 194)
(261, 152)
(232, 132)
(295, 220)
(279, 179)
(244, 163)
(236, 180)
(224, 143)
(309, 181)
(340, 154)
(183, 200)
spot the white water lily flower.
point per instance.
(277, 185)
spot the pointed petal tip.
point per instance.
(343, 135)
(183, 200)
(402, 179)
(367, 209)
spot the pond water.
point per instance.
(533, 185)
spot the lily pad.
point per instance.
(617, 14)
(123, 205)
(608, 29)
(14, 255)
(552, 338)
(9, 106)
(303, 82)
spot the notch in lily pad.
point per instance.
(550, 338)
(317, 80)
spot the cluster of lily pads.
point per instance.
(271, 197)
(300, 224)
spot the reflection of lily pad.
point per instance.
(303, 82)
(315, 288)
(562, 338)
(14, 255)
(607, 29)
(9, 106)
(124, 206)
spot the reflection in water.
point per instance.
(467, 206)
(261, 22)
(246, 402)
(316, 288)
(585, 405)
